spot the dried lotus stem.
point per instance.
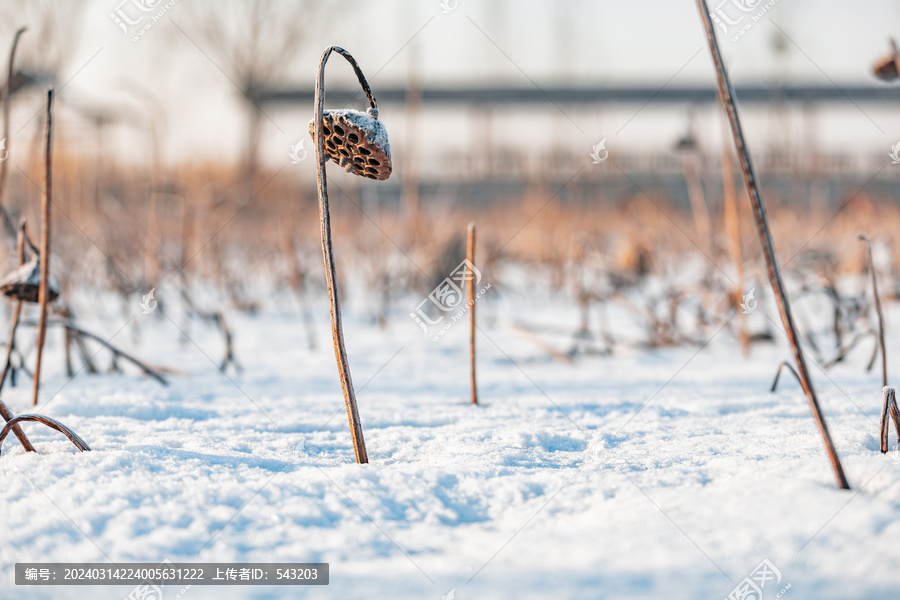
(784, 365)
(353, 162)
(863, 237)
(726, 96)
(44, 290)
(52, 423)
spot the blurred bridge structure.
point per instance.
(487, 96)
(491, 173)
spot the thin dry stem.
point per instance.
(337, 332)
(726, 96)
(117, 352)
(847, 348)
(44, 291)
(229, 344)
(868, 243)
(470, 254)
(52, 423)
(784, 364)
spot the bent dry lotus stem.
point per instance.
(356, 161)
(726, 96)
(51, 423)
(784, 365)
(117, 353)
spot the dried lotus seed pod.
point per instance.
(357, 141)
(25, 282)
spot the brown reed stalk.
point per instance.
(726, 96)
(7, 99)
(51, 423)
(864, 238)
(337, 331)
(44, 292)
(733, 228)
(470, 255)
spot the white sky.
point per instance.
(570, 41)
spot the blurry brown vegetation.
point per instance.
(208, 231)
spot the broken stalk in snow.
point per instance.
(889, 406)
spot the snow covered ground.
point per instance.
(658, 474)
